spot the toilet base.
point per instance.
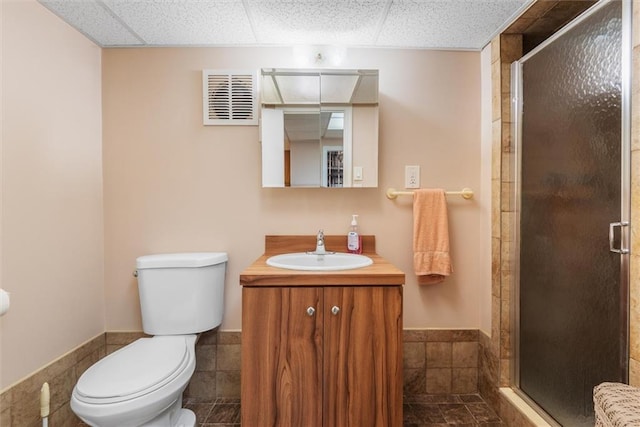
(175, 416)
(187, 418)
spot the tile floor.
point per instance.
(419, 411)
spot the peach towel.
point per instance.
(431, 259)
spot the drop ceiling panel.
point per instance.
(326, 22)
(425, 24)
(454, 24)
(95, 21)
(186, 22)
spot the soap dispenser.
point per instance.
(354, 240)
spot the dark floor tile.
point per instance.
(456, 413)
(423, 413)
(470, 398)
(200, 409)
(482, 413)
(409, 418)
(427, 425)
(432, 398)
(465, 410)
(221, 413)
(227, 400)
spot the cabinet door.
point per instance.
(363, 357)
(281, 357)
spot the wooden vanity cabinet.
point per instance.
(327, 356)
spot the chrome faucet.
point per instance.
(320, 250)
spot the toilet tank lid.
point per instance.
(187, 259)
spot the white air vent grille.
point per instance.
(229, 97)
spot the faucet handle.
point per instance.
(320, 250)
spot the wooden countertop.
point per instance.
(380, 273)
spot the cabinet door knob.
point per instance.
(311, 311)
(335, 310)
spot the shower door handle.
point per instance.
(612, 237)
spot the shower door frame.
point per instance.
(625, 196)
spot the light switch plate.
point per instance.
(412, 176)
(357, 173)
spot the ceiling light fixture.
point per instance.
(319, 56)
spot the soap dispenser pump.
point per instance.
(354, 240)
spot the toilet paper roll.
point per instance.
(4, 301)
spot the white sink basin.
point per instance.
(313, 262)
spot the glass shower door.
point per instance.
(572, 290)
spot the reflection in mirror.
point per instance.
(315, 124)
(315, 146)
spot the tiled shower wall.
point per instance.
(435, 362)
(494, 361)
(495, 350)
(634, 320)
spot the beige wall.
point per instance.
(365, 154)
(52, 228)
(172, 184)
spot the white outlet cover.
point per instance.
(412, 176)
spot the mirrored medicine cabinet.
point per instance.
(319, 128)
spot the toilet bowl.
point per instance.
(138, 385)
(142, 383)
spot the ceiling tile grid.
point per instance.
(426, 24)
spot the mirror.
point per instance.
(319, 128)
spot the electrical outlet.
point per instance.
(412, 177)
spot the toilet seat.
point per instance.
(135, 370)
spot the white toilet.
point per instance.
(142, 383)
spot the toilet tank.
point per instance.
(181, 293)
